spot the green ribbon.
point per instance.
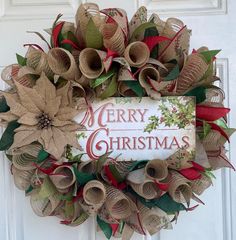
(105, 227)
(3, 105)
(8, 135)
(104, 77)
(82, 177)
(21, 60)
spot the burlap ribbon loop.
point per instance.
(117, 203)
(38, 60)
(149, 79)
(156, 170)
(63, 177)
(192, 72)
(179, 188)
(137, 54)
(44, 206)
(113, 37)
(63, 63)
(22, 178)
(94, 193)
(90, 63)
(142, 185)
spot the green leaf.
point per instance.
(3, 105)
(93, 37)
(42, 155)
(115, 173)
(199, 93)
(105, 227)
(98, 81)
(140, 29)
(209, 55)
(174, 73)
(135, 87)
(111, 89)
(21, 60)
(8, 135)
(83, 178)
(101, 161)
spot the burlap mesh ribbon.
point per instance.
(179, 188)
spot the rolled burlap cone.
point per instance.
(179, 188)
(94, 193)
(191, 73)
(84, 13)
(113, 37)
(19, 75)
(117, 204)
(176, 30)
(38, 60)
(22, 178)
(63, 63)
(137, 54)
(90, 63)
(24, 162)
(142, 185)
(63, 177)
(156, 169)
(104, 214)
(77, 90)
(147, 189)
(200, 185)
(83, 81)
(153, 220)
(149, 79)
(24, 158)
(87, 166)
(44, 206)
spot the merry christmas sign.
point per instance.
(138, 128)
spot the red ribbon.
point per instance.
(33, 45)
(154, 40)
(190, 173)
(214, 127)
(68, 41)
(114, 228)
(55, 33)
(112, 179)
(210, 113)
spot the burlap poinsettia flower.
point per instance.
(45, 114)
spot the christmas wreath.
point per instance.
(103, 55)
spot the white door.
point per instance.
(213, 23)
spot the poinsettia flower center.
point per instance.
(44, 121)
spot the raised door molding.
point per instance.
(36, 9)
(184, 7)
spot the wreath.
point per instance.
(100, 56)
